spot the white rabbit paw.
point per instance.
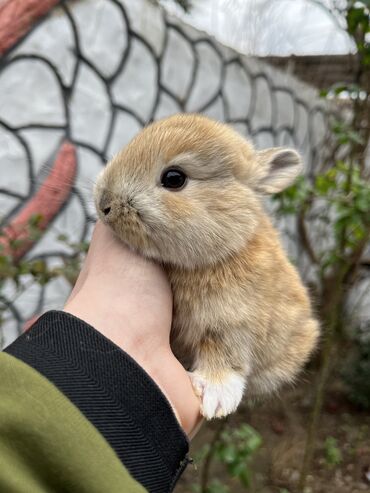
(218, 397)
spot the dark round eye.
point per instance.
(173, 179)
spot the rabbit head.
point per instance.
(187, 190)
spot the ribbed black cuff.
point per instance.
(113, 392)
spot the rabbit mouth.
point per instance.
(135, 229)
(126, 222)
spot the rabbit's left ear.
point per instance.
(279, 167)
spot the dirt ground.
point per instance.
(281, 422)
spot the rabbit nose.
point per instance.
(105, 203)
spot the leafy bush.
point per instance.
(333, 454)
(21, 273)
(234, 448)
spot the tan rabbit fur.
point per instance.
(242, 318)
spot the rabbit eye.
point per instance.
(173, 179)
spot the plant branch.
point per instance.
(355, 261)
(331, 316)
(204, 480)
(305, 240)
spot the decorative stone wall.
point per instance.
(78, 79)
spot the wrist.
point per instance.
(139, 337)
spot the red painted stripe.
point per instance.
(47, 202)
(17, 18)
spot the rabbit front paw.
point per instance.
(219, 397)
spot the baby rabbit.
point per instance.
(186, 192)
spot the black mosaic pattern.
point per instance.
(264, 109)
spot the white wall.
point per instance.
(99, 71)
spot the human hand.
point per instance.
(128, 299)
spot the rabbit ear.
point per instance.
(278, 168)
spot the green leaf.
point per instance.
(228, 454)
(339, 88)
(38, 267)
(35, 220)
(244, 478)
(63, 238)
(236, 469)
(254, 442)
(362, 203)
(323, 184)
(332, 452)
(356, 17)
(355, 137)
(18, 243)
(217, 487)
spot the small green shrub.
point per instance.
(333, 454)
(234, 448)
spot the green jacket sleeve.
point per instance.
(46, 444)
(77, 414)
